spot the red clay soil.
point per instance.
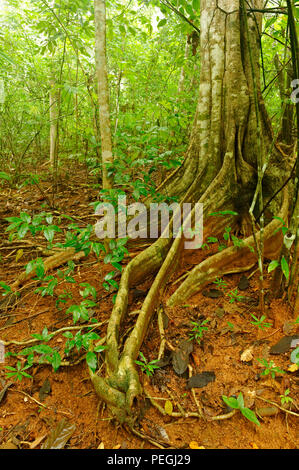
(26, 417)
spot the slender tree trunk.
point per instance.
(53, 102)
(103, 89)
(117, 100)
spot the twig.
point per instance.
(39, 403)
(280, 407)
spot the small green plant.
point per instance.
(285, 398)
(37, 265)
(231, 326)
(220, 283)
(5, 287)
(147, 367)
(81, 312)
(62, 298)
(21, 225)
(260, 323)
(49, 288)
(270, 368)
(283, 227)
(84, 341)
(88, 290)
(17, 373)
(198, 330)
(46, 354)
(234, 296)
(238, 404)
(284, 267)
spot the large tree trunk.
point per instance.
(231, 134)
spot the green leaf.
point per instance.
(7, 58)
(25, 217)
(91, 360)
(231, 402)
(273, 265)
(249, 414)
(240, 400)
(56, 360)
(49, 233)
(23, 230)
(5, 176)
(162, 23)
(196, 5)
(5, 287)
(285, 267)
(67, 334)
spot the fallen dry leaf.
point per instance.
(194, 445)
(253, 445)
(247, 355)
(168, 407)
(293, 368)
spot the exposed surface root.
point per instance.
(122, 389)
(231, 260)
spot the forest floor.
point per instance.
(30, 409)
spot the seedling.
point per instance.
(84, 341)
(234, 296)
(283, 227)
(62, 298)
(270, 368)
(284, 267)
(19, 372)
(285, 399)
(5, 287)
(81, 312)
(231, 326)
(147, 367)
(198, 330)
(260, 323)
(238, 404)
(220, 283)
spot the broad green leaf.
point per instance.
(273, 265)
(285, 268)
(249, 414)
(91, 360)
(162, 23)
(231, 402)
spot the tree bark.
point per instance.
(103, 89)
(54, 111)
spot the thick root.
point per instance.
(232, 260)
(122, 389)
